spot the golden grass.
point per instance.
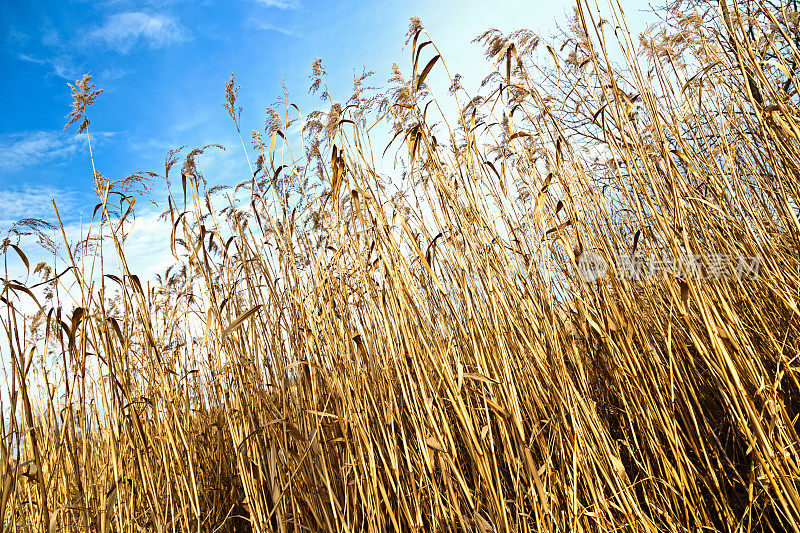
(331, 354)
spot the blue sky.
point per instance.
(163, 66)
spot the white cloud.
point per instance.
(269, 27)
(54, 52)
(60, 63)
(32, 202)
(15, 37)
(51, 37)
(147, 250)
(190, 121)
(123, 31)
(31, 148)
(113, 73)
(280, 4)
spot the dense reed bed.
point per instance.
(567, 304)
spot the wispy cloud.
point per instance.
(280, 4)
(113, 73)
(32, 202)
(123, 31)
(61, 65)
(190, 121)
(48, 49)
(269, 27)
(14, 37)
(51, 36)
(32, 148)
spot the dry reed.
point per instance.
(340, 349)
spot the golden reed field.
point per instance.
(566, 303)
